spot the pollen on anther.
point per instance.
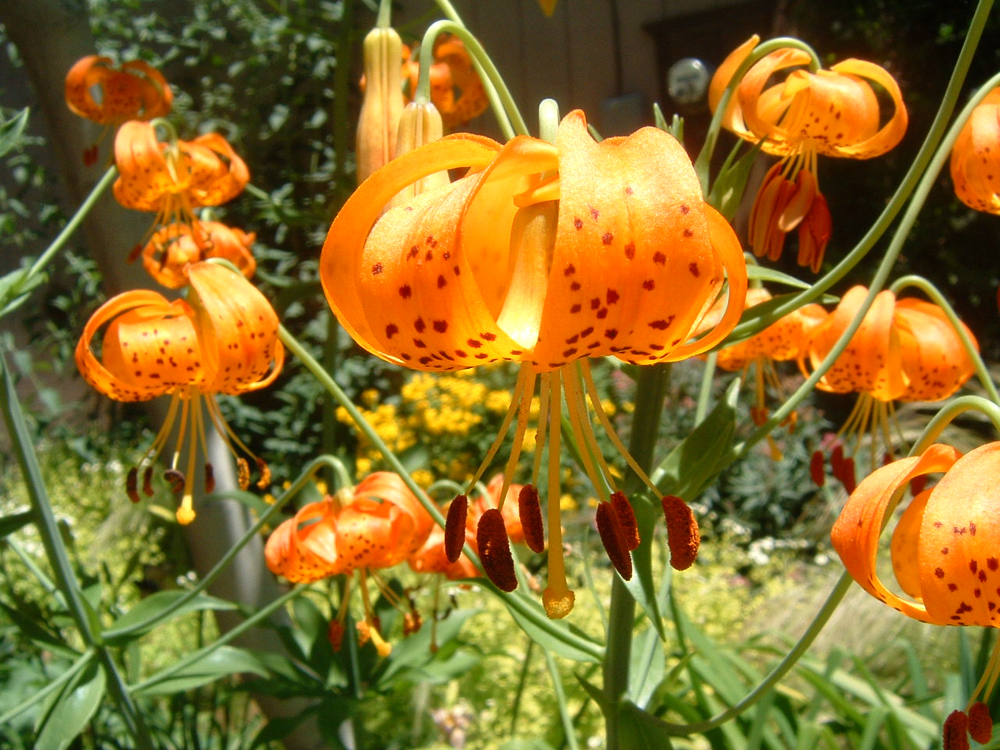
(494, 550)
(454, 528)
(530, 515)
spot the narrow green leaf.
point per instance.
(16, 287)
(526, 745)
(151, 608)
(278, 728)
(873, 725)
(33, 628)
(418, 650)
(221, 662)
(71, 709)
(648, 667)
(637, 729)
(12, 130)
(15, 521)
(643, 586)
(695, 461)
(762, 273)
(547, 640)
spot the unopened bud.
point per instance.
(382, 104)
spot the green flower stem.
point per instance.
(567, 721)
(704, 160)
(71, 226)
(932, 291)
(516, 601)
(74, 669)
(508, 116)
(224, 561)
(48, 529)
(384, 18)
(947, 415)
(899, 198)
(925, 185)
(650, 391)
(258, 617)
(776, 674)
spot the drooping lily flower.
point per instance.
(831, 112)
(375, 525)
(222, 339)
(779, 342)
(544, 254)
(975, 157)
(944, 549)
(456, 90)
(175, 177)
(904, 350)
(110, 96)
(173, 247)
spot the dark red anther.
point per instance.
(335, 634)
(175, 479)
(132, 484)
(954, 732)
(454, 528)
(613, 537)
(209, 479)
(147, 482)
(626, 519)
(817, 468)
(494, 550)
(529, 511)
(844, 471)
(683, 536)
(980, 723)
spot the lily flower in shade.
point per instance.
(806, 114)
(945, 551)
(377, 524)
(110, 96)
(904, 350)
(975, 157)
(222, 339)
(545, 254)
(173, 178)
(779, 342)
(172, 248)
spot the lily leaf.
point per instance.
(547, 640)
(71, 709)
(11, 523)
(696, 460)
(220, 662)
(12, 131)
(642, 586)
(151, 608)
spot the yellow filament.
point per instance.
(989, 678)
(609, 429)
(557, 597)
(543, 413)
(574, 408)
(522, 377)
(523, 412)
(181, 431)
(161, 437)
(185, 513)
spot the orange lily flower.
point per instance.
(176, 177)
(545, 254)
(377, 524)
(779, 342)
(172, 248)
(975, 158)
(831, 112)
(904, 350)
(944, 548)
(98, 91)
(222, 339)
(456, 89)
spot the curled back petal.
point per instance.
(932, 351)
(135, 375)
(733, 118)
(341, 267)
(960, 542)
(389, 487)
(855, 534)
(893, 131)
(237, 328)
